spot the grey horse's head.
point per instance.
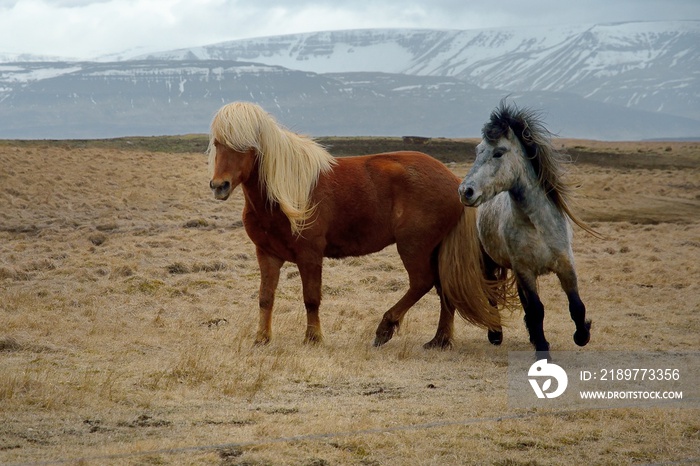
(515, 144)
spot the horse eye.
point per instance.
(498, 154)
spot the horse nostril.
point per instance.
(220, 185)
(468, 193)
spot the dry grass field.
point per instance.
(128, 304)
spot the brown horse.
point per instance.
(302, 205)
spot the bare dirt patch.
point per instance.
(128, 303)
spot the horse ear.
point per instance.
(511, 135)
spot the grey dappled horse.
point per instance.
(523, 217)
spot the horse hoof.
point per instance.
(380, 340)
(313, 338)
(383, 337)
(542, 351)
(582, 339)
(495, 337)
(261, 341)
(583, 336)
(384, 332)
(439, 343)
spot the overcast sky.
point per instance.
(91, 28)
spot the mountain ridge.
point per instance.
(630, 81)
(641, 65)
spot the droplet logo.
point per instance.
(547, 371)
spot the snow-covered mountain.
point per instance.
(27, 57)
(615, 81)
(652, 66)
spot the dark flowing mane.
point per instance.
(536, 140)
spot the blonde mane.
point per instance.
(290, 164)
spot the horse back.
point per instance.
(369, 202)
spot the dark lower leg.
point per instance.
(534, 318)
(495, 335)
(578, 314)
(577, 309)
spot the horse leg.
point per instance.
(269, 278)
(534, 314)
(311, 276)
(576, 307)
(392, 317)
(495, 336)
(421, 279)
(445, 330)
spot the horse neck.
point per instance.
(254, 190)
(529, 200)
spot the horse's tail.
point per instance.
(463, 278)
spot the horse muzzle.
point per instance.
(221, 189)
(469, 196)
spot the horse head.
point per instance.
(499, 164)
(234, 146)
(229, 168)
(246, 143)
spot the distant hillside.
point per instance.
(653, 66)
(616, 82)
